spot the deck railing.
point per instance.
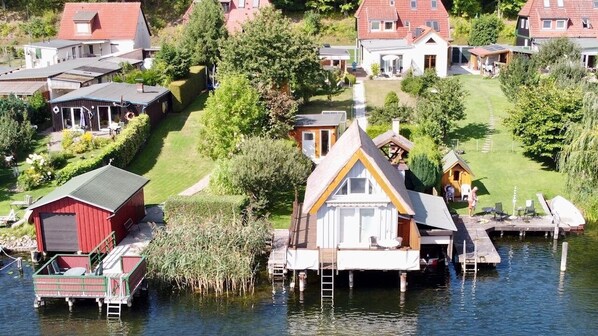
(101, 250)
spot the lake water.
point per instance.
(524, 295)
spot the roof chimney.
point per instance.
(140, 86)
(396, 125)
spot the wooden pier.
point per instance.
(277, 262)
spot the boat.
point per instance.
(567, 213)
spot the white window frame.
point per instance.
(526, 23)
(256, 3)
(413, 4)
(434, 4)
(82, 28)
(372, 25)
(241, 3)
(544, 26)
(560, 3)
(563, 22)
(546, 3)
(522, 24)
(369, 188)
(391, 28)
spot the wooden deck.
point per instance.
(278, 255)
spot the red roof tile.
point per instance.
(572, 10)
(114, 20)
(236, 15)
(404, 13)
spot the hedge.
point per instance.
(184, 91)
(199, 207)
(121, 151)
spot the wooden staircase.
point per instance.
(470, 260)
(327, 268)
(114, 297)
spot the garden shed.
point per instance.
(101, 107)
(78, 215)
(456, 172)
(317, 133)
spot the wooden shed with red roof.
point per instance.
(78, 215)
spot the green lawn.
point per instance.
(170, 159)
(340, 102)
(505, 167)
(376, 91)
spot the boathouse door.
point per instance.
(59, 232)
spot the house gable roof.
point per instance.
(315, 120)
(110, 20)
(107, 188)
(431, 211)
(392, 137)
(354, 145)
(573, 11)
(400, 13)
(452, 159)
(114, 92)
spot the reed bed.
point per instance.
(217, 256)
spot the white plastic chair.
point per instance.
(465, 191)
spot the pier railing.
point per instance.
(101, 250)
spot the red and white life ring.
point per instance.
(129, 115)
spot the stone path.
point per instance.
(487, 146)
(197, 187)
(359, 104)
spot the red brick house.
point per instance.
(540, 20)
(236, 12)
(403, 34)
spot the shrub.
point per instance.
(39, 172)
(121, 151)
(375, 69)
(185, 91)
(411, 85)
(375, 130)
(58, 159)
(68, 138)
(350, 79)
(220, 180)
(200, 207)
(312, 22)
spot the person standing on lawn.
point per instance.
(472, 200)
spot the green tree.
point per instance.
(232, 113)
(556, 50)
(273, 54)
(425, 167)
(204, 31)
(568, 73)
(466, 8)
(267, 170)
(312, 23)
(392, 109)
(521, 71)
(510, 8)
(175, 62)
(440, 107)
(282, 109)
(541, 116)
(485, 30)
(16, 133)
(579, 158)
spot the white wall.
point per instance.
(49, 56)
(142, 37)
(400, 260)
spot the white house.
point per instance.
(43, 54)
(358, 215)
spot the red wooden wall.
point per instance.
(134, 208)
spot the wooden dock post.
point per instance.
(403, 276)
(20, 265)
(564, 256)
(350, 279)
(292, 284)
(555, 235)
(302, 281)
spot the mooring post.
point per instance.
(20, 264)
(301, 281)
(350, 279)
(555, 236)
(403, 282)
(564, 257)
(292, 284)
(464, 253)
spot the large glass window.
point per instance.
(429, 62)
(368, 225)
(355, 185)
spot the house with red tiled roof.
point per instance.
(93, 30)
(403, 35)
(541, 20)
(236, 12)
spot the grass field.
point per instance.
(170, 159)
(505, 167)
(341, 102)
(376, 91)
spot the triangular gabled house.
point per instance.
(358, 215)
(456, 173)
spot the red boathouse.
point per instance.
(78, 215)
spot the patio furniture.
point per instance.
(373, 242)
(23, 204)
(499, 214)
(465, 191)
(389, 243)
(75, 271)
(10, 218)
(530, 211)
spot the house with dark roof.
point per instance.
(402, 35)
(102, 107)
(317, 133)
(358, 215)
(236, 12)
(78, 215)
(541, 20)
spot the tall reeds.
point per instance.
(217, 256)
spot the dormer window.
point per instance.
(546, 24)
(355, 185)
(434, 4)
(585, 23)
(561, 24)
(82, 28)
(375, 26)
(83, 22)
(546, 3)
(389, 25)
(392, 2)
(434, 25)
(413, 4)
(595, 3)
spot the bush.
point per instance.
(412, 85)
(58, 159)
(220, 180)
(186, 90)
(485, 30)
(68, 138)
(312, 22)
(375, 130)
(39, 172)
(375, 69)
(200, 207)
(121, 151)
(350, 79)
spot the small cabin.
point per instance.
(456, 173)
(357, 214)
(317, 133)
(78, 215)
(334, 58)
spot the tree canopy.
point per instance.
(425, 167)
(204, 31)
(555, 50)
(269, 51)
(233, 112)
(521, 71)
(485, 30)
